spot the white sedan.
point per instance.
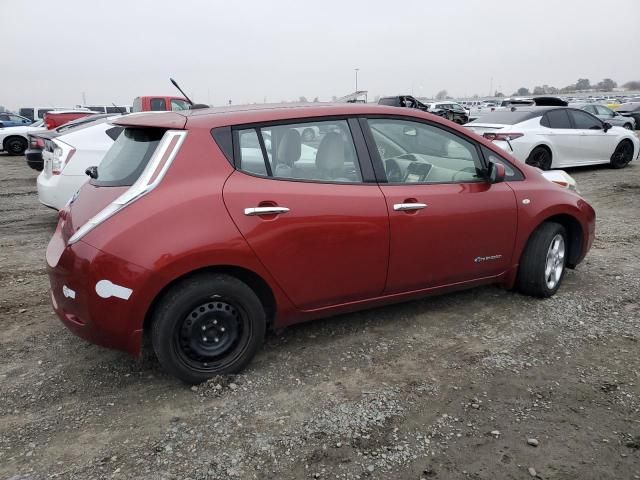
(66, 157)
(14, 140)
(557, 137)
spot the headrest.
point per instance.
(330, 155)
(290, 147)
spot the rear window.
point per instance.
(506, 117)
(26, 112)
(157, 105)
(127, 157)
(628, 108)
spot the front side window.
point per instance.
(413, 152)
(315, 151)
(157, 105)
(584, 121)
(556, 119)
(602, 110)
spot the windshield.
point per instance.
(127, 157)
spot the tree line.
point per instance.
(581, 85)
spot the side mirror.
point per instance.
(606, 126)
(497, 172)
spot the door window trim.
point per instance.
(378, 166)
(362, 154)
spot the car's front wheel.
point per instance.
(622, 155)
(207, 325)
(15, 145)
(540, 157)
(543, 262)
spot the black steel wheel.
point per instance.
(540, 157)
(207, 325)
(15, 145)
(622, 155)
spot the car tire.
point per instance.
(543, 262)
(627, 126)
(308, 135)
(15, 145)
(207, 325)
(622, 155)
(540, 157)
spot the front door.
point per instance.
(595, 145)
(448, 224)
(303, 207)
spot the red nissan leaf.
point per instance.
(203, 228)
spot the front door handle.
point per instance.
(404, 207)
(252, 212)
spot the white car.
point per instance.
(14, 140)
(66, 157)
(557, 137)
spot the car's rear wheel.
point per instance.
(308, 135)
(540, 157)
(15, 145)
(207, 325)
(622, 155)
(543, 262)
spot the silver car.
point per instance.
(605, 114)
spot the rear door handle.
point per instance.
(403, 207)
(252, 212)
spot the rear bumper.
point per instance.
(55, 190)
(105, 315)
(34, 159)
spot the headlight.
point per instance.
(562, 178)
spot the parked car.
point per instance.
(14, 140)
(11, 120)
(159, 103)
(605, 114)
(122, 109)
(37, 139)
(68, 155)
(630, 110)
(57, 118)
(446, 111)
(450, 110)
(181, 236)
(557, 137)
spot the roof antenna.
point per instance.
(122, 110)
(193, 105)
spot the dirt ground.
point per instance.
(448, 387)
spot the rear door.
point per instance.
(565, 139)
(448, 224)
(311, 210)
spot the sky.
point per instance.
(254, 51)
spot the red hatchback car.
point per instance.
(206, 227)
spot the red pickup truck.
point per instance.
(159, 103)
(57, 118)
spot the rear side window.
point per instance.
(127, 157)
(320, 151)
(114, 132)
(557, 119)
(157, 104)
(388, 101)
(27, 112)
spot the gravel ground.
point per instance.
(481, 384)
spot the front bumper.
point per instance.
(107, 317)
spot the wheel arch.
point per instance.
(575, 234)
(258, 284)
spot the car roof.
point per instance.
(246, 114)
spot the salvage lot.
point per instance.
(447, 387)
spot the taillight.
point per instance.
(502, 136)
(62, 153)
(37, 142)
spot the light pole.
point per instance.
(356, 69)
